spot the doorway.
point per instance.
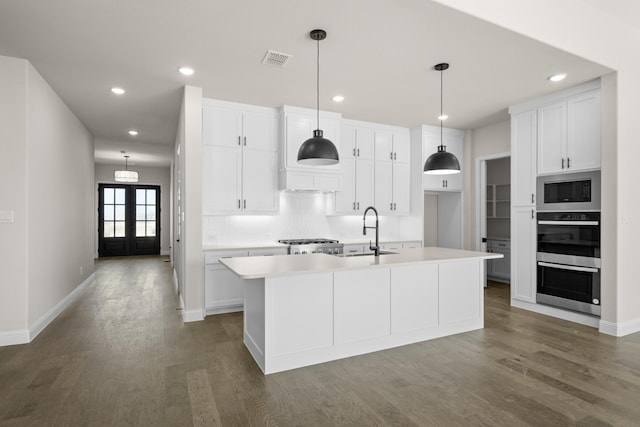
(128, 220)
(494, 214)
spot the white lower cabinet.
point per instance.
(357, 317)
(458, 291)
(414, 303)
(223, 290)
(499, 269)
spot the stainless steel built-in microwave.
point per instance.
(579, 191)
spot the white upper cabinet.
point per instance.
(240, 168)
(357, 164)
(453, 140)
(569, 134)
(583, 131)
(392, 170)
(297, 125)
(523, 158)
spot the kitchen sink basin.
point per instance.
(366, 254)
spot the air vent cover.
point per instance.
(276, 58)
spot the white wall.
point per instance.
(13, 194)
(146, 176)
(46, 253)
(601, 34)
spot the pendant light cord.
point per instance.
(318, 85)
(441, 71)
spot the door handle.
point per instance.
(568, 267)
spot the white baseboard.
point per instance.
(175, 283)
(167, 252)
(26, 336)
(50, 315)
(14, 337)
(620, 329)
(192, 315)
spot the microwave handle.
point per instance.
(568, 222)
(568, 267)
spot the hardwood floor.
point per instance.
(121, 355)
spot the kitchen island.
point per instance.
(300, 310)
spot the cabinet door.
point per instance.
(383, 145)
(361, 304)
(221, 127)
(383, 186)
(552, 138)
(365, 176)
(414, 297)
(345, 199)
(221, 179)
(259, 181)
(523, 254)
(365, 144)
(583, 131)
(401, 187)
(459, 291)
(223, 289)
(260, 131)
(347, 141)
(523, 158)
(401, 146)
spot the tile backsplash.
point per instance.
(301, 215)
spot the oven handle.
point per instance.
(568, 222)
(568, 267)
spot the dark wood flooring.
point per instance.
(121, 356)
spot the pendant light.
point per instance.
(126, 175)
(441, 162)
(318, 151)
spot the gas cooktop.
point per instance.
(310, 246)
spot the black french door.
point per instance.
(128, 220)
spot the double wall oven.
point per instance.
(568, 247)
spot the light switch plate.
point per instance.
(6, 216)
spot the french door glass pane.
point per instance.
(140, 213)
(109, 229)
(140, 229)
(140, 196)
(151, 228)
(120, 212)
(120, 229)
(151, 213)
(108, 213)
(120, 193)
(108, 196)
(151, 197)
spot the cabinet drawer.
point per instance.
(213, 257)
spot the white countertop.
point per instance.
(281, 265)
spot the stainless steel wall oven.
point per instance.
(568, 260)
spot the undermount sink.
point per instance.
(366, 254)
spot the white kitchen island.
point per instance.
(300, 310)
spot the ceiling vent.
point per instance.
(276, 58)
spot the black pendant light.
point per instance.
(318, 151)
(441, 162)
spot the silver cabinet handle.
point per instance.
(354, 206)
(390, 206)
(245, 203)
(563, 163)
(532, 216)
(238, 203)
(391, 156)
(568, 163)
(245, 140)
(354, 152)
(394, 206)
(531, 198)
(358, 152)
(358, 205)
(567, 267)
(239, 143)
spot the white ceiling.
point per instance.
(379, 54)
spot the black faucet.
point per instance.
(376, 248)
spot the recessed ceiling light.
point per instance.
(133, 132)
(443, 117)
(558, 77)
(338, 98)
(117, 90)
(187, 71)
